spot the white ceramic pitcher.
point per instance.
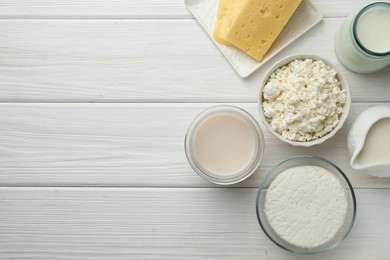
(357, 137)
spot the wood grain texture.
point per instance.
(164, 223)
(142, 51)
(142, 61)
(128, 145)
(134, 8)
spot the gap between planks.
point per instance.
(125, 188)
(162, 102)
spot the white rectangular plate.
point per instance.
(304, 18)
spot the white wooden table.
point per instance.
(96, 97)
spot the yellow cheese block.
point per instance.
(257, 23)
(227, 11)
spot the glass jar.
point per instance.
(350, 48)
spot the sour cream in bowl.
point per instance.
(306, 205)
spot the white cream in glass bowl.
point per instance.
(306, 205)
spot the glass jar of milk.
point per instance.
(363, 41)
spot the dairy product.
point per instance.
(306, 206)
(303, 100)
(373, 30)
(224, 143)
(258, 25)
(376, 149)
(252, 25)
(227, 11)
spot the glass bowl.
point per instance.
(252, 165)
(303, 161)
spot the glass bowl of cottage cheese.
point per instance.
(304, 100)
(306, 205)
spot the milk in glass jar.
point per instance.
(363, 41)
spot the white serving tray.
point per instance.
(304, 18)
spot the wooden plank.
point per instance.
(135, 8)
(142, 61)
(163, 224)
(128, 145)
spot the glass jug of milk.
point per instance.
(363, 41)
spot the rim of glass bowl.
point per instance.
(231, 179)
(268, 175)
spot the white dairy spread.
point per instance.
(303, 100)
(306, 206)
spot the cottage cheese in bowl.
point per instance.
(303, 100)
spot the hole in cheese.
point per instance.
(264, 11)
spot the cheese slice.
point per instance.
(256, 24)
(227, 11)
